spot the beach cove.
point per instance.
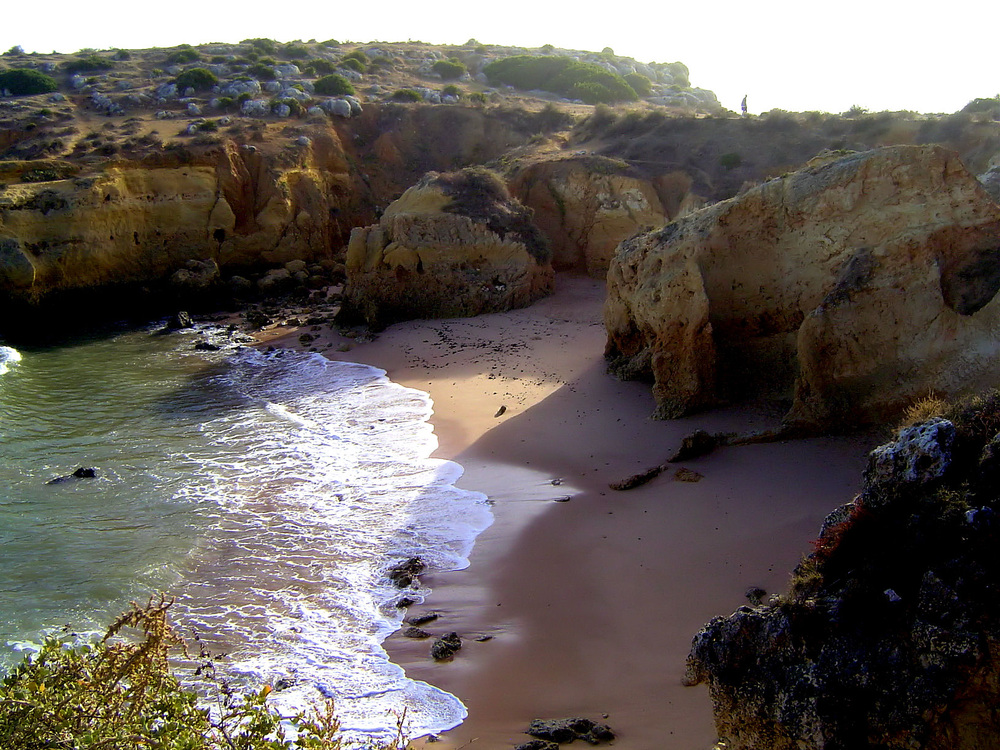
(586, 598)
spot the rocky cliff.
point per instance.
(890, 634)
(852, 287)
(453, 245)
(585, 206)
(140, 221)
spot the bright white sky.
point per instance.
(790, 54)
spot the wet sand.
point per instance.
(589, 604)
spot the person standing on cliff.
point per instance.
(743, 105)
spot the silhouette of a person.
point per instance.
(743, 106)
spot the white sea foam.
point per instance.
(8, 356)
(322, 474)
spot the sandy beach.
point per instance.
(587, 598)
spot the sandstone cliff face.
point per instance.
(853, 285)
(586, 206)
(141, 221)
(452, 245)
(890, 635)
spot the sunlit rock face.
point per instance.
(140, 221)
(453, 245)
(587, 205)
(849, 287)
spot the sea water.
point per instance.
(268, 492)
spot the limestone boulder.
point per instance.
(453, 245)
(850, 287)
(586, 206)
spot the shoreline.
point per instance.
(589, 604)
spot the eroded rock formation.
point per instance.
(143, 221)
(587, 205)
(853, 286)
(890, 634)
(453, 245)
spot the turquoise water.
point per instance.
(267, 492)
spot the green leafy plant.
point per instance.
(351, 63)
(452, 90)
(87, 63)
(295, 51)
(357, 54)
(197, 78)
(561, 75)
(333, 85)
(183, 55)
(449, 70)
(730, 160)
(120, 694)
(407, 95)
(26, 82)
(262, 72)
(265, 46)
(319, 67)
(639, 83)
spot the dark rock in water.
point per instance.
(418, 633)
(698, 443)
(84, 472)
(180, 320)
(283, 683)
(446, 646)
(567, 730)
(256, 319)
(537, 745)
(206, 346)
(403, 574)
(423, 619)
(405, 602)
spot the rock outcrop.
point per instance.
(890, 634)
(854, 286)
(144, 221)
(586, 206)
(453, 245)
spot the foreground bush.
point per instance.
(120, 694)
(25, 82)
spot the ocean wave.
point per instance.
(8, 356)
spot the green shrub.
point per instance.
(25, 82)
(262, 72)
(197, 78)
(330, 43)
(219, 60)
(452, 90)
(17, 49)
(407, 95)
(730, 160)
(333, 85)
(449, 70)
(209, 126)
(351, 63)
(477, 97)
(295, 51)
(983, 105)
(122, 55)
(267, 46)
(184, 55)
(120, 694)
(561, 75)
(639, 83)
(87, 63)
(319, 67)
(357, 54)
